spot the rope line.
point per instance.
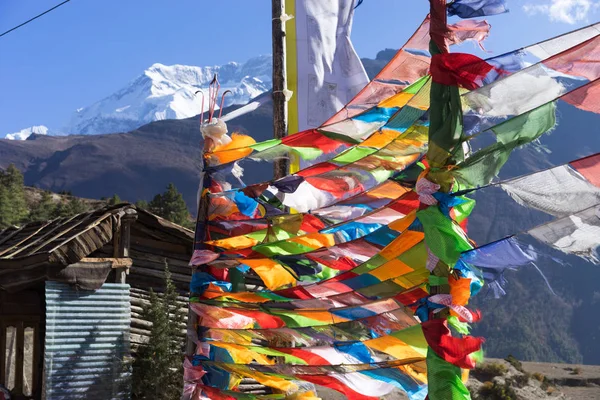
(34, 18)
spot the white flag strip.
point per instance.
(549, 48)
(559, 191)
(538, 84)
(577, 234)
(324, 72)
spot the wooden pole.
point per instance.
(124, 243)
(438, 29)
(280, 122)
(280, 109)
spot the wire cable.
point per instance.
(34, 18)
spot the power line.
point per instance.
(34, 18)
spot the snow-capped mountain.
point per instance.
(25, 133)
(164, 92)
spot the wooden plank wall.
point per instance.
(140, 327)
(153, 246)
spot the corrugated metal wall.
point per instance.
(87, 349)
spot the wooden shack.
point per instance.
(71, 297)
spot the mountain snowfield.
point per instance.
(164, 92)
(24, 133)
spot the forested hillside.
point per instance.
(20, 204)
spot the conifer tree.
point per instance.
(158, 368)
(170, 205)
(5, 211)
(72, 207)
(13, 207)
(45, 209)
(115, 199)
(77, 206)
(142, 204)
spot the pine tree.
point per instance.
(158, 368)
(13, 207)
(5, 211)
(170, 205)
(77, 206)
(72, 207)
(142, 204)
(45, 209)
(114, 200)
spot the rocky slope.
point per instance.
(497, 379)
(136, 165)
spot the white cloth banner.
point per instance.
(559, 191)
(577, 234)
(327, 73)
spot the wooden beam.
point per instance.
(37, 361)
(116, 240)
(10, 235)
(124, 244)
(116, 262)
(18, 250)
(18, 389)
(62, 233)
(127, 220)
(3, 351)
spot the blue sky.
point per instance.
(87, 49)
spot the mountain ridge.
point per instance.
(163, 92)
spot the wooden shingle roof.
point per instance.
(28, 252)
(60, 241)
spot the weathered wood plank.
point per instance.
(147, 243)
(143, 264)
(150, 256)
(18, 250)
(161, 275)
(18, 389)
(116, 262)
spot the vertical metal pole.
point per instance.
(280, 121)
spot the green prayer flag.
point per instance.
(438, 280)
(354, 154)
(326, 273)
(443, 236)
(444, 379)
(261, 146)
(460, 327)
(276, 232)
(462, 211)
(484, 166)
(374, 262)
(306, 153)
(445, 126)
(527, 127)
(288, 358)
(415, 256)
(417, 85)
(384, 289)
(282, 248)
(414, 337)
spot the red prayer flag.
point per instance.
(459, 69)
(456, 351)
